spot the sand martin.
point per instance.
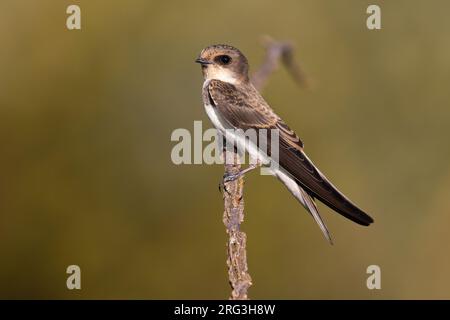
(232, 102)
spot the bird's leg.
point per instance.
(231, 177)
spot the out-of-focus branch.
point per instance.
(233, 195)
(277, 51)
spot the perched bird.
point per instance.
(232, 102)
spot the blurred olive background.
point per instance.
(86, 176)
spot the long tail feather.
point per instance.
(306, 200)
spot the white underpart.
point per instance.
(246, 144)
(237, 140)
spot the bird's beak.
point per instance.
(202, 61)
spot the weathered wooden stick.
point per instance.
(233, 216)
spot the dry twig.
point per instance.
(278, 51)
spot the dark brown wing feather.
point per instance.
(243, 107)
(317, 185)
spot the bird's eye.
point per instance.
(224, 59)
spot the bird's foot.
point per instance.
(228, 177)
(223, 187)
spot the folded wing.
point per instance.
(244, 108)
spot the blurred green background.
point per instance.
(86, 176)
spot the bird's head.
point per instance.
(223, 62)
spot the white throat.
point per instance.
(221, 74)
